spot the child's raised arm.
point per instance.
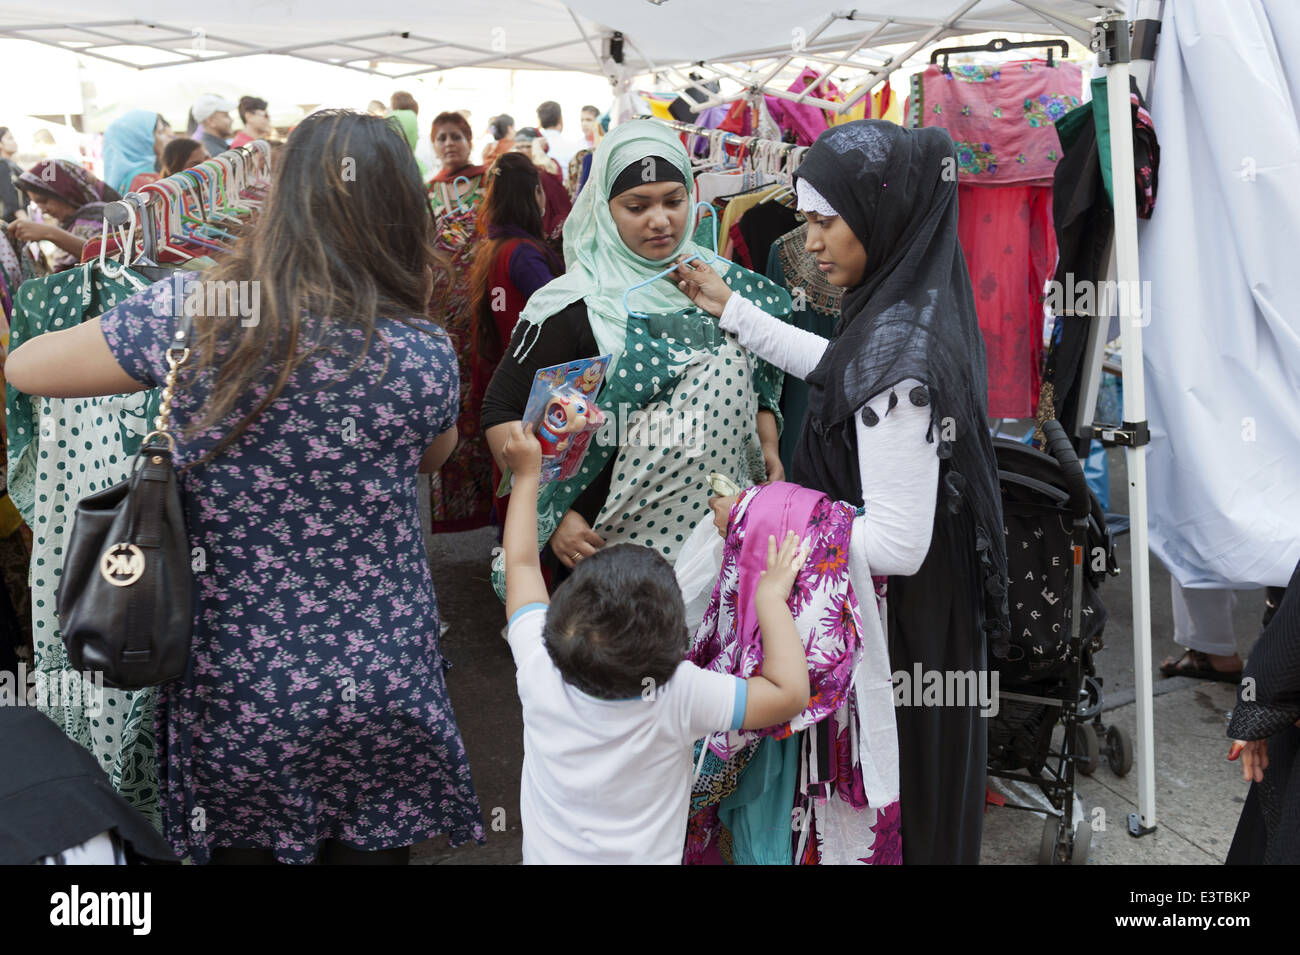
(781, 692)
(524, 582)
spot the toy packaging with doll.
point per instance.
(562, 412)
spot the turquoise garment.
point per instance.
(758, 813)
(128, 148)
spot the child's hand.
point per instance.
(522, 452)
(783, 567)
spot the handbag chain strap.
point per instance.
(177, 354)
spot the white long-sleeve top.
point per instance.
(898, 469)
(899, 474)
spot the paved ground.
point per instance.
(1198, 797)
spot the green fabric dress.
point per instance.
(61, 450)
(678, 370)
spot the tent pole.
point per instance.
(1112, 43)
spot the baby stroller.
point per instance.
(1058, 553)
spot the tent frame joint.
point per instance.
(1130, 434)
(1111, 41)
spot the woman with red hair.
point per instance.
(452, 141)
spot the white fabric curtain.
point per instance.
(1222, 350)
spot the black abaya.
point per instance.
(934, 620)
(912, 316)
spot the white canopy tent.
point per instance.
(622, 39)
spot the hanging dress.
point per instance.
(61, 450)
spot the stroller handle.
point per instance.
(1059, 447)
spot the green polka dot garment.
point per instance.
(61, 450)
(704, 421)
(686, 397)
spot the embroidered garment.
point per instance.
(61, 450)
(446, 196)
(1001, 118)
(1010, 247)
(314, 705)
(1002, 122)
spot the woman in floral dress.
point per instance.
(313, 720)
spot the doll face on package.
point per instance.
(566, 426)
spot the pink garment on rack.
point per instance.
(1002, 121)
(806, 122)
(1001, 118)
(1009, 241)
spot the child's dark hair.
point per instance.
(617, 622)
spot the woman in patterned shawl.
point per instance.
(72, 197)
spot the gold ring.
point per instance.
(575, 557)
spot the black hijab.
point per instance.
(911, 316)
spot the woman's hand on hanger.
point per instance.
(574, 539)
(701, 285)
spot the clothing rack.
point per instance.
(153, 215)
(770, 156)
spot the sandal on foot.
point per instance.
(1200, 669)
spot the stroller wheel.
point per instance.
(1119, 751)
(1082, 843)
(1047, 846)
(1087, 748)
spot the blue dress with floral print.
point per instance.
(314, 705)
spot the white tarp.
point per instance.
(1223, 345)
(521, 34)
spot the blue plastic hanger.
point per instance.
(455, 186)
(708, 259)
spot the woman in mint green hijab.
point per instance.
(681, 397)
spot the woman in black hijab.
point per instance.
(881, 202)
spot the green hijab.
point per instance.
(600, 267)
(408, 124)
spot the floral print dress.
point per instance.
(314, 705)
(832, 819)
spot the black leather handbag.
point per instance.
(125, 595)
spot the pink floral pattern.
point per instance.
(839, 822)
(314, 706)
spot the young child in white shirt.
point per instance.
(611, 708)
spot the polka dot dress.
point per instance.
(683, 399)
(61, 450)
(704, 421)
